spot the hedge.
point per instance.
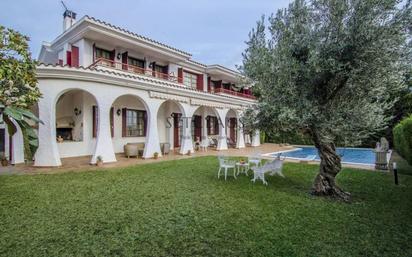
(402, 138)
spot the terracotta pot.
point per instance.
(4, 163)
(99, 163)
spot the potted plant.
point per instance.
(242, 161)
(99, 161)
(156, 155)
(4, 161)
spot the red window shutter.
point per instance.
(144, 122)
(112, 53)
(94, 52)
(69, 58)
(180, 75)
(95, 121)
(216, 125)
(75, 56)
(124, 61)
(219, 84)
(199, 84)
(209, 82)
(124, 122)
(208, 125)
(111, 121)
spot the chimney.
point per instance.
(69, 18)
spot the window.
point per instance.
(190, 79)
(161, 71)
(101, 53)
(135, 62)
(135, 123)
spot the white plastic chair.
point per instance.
(255, 160)
(226, 164)
(274, 167)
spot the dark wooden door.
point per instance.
(198, 127)
(176, 129)
(2, 140)
(233, 125)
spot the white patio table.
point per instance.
(242, 167)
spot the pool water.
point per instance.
(348, 155)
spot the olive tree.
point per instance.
(18, 87)
(329, 69)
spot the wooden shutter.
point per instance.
(94, 52)
(69, 58)
(198, 126)
(94, 121)
(75, 56)
(180, 75)
(124, 60)
(124, 122)
(219, 84)
(111, 121)
(199, 84)
(216, 125)
(144, 123)
(208, 124)
(209, 84)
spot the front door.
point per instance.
(233, 125)
(2, 141)
(197, 127)
(177, 127)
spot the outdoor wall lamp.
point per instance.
(118, 56)
(118, 112)
(77, 111)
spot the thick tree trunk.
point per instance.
(330, 166)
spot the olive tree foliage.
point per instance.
(329, 68)
(18, 87)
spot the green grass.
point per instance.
(179, 208)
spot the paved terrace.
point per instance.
(78, 164)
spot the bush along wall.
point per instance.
(402, 138)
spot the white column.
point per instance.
(240, 140)
(256, 138)
(187, 142)
(104, 145)
(47, 153)
(222, 141)
(152, 144)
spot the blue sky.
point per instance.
(214, 31)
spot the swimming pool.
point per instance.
(363, 156)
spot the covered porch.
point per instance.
(82, 163)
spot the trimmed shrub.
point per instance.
(402, 138)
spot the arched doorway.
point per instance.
(205, 125)
(171, 120)
(129, 123)
(232, 128)
(74, 123)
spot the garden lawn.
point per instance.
(180, 208)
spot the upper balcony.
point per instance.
(107, 63)
(110, 64)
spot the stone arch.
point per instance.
(129, 122)
(210, 121)
(171, 117)
(72, 113)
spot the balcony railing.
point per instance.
(135, 69)
(102, 62)
(231, 92)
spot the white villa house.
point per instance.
(103, 87)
